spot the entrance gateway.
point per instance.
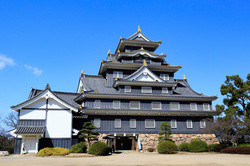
(120, 142)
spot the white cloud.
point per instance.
(35, 70)
(5, 61)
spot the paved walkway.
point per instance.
(135, 158)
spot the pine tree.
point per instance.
(165, 132)
(88, 133)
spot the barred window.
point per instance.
(189, 124)
(132, 123)
(164, 76)
(116, 104)
(202, 124)
(156, 105)
(145, 89)
(97, 122)
(164, 90)
(117, 74)
(173, 124)
(97, 104)
(193, 106)
(149, 123)
(134, 104)
(118, 123)
(127, 89)
(174, 105)
(206, 106)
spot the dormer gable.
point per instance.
(139, 36)
(143, 74)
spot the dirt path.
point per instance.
(152, 159)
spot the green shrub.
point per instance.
(79, 148)
(167, 147)
(184, 147)
(197, 146)
(244, 145)
(216, 147)
(99, 148)
(53, 151)
(236, 150)
(151, 149)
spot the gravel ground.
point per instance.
(134, 158)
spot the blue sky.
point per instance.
(52, 41)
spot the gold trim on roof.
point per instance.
(113, 61)
(82, 72)
(95, 91)
(139, 28)
(82, 91)
(184, 77)
(109, 52)
(202, 94)
(144, 62)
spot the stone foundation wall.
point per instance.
(151, 140)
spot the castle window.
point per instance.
(134, 104)
(97, 122)
(117, 74)
(127, 89)
(132, 123)
(193, 106)
(173, 124)
(156, 105)
(118, 123)
(116, 104)
(174, 105)
(149, 123)
(189, 124)
(164, 90)
(146, 89)
(97, 104)
(206, 106)
(164, 76)
(202, 124)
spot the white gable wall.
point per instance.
(59, 124)
(59, 117)
(145, 75)
(32, 114)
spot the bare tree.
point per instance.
(11, 120)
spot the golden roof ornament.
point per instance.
(116, 78)
(184, 77)
(118, 51)
(95, 91)
(142, 48)
(144, 62)
(109, 52)
(102, 60)
(168, 64)
(113, 61)
(202, 94)
(82, 91)
(139, 28)
(80, 107)
(82, 72)
(120, 37)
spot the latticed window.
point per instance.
(118, 123)
(116, 104)
(117, 74)
(173, 124)
(206, 106)
(146, 89)
(156, 105)
(134, 104)
(132, 123)
(189, 124)
(97, 122)
(203, 124)
(174, 105)
(149, 123)
(97, 104)
(164, 76)
(164, 90)
(193, 106)
(127, 89)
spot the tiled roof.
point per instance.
(30, 130)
